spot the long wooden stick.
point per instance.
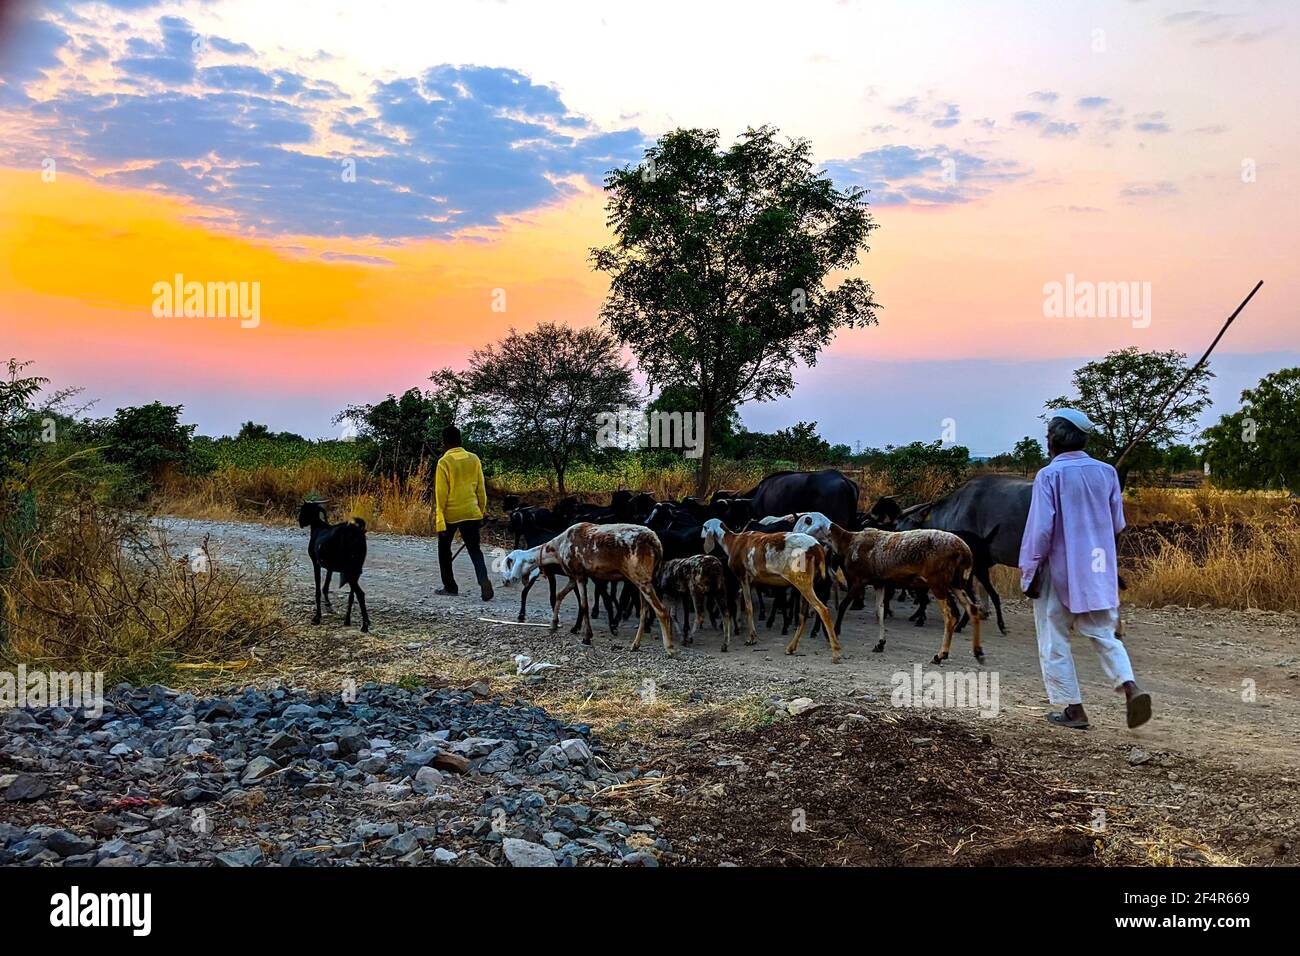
(1157, 418)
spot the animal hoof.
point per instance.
(587, 641)
(365, 628)
(980, 658)
(1003, 630)
(316, 619)
(878, 648)
(938, 658)
(837, 658)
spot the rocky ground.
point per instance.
(393, 776)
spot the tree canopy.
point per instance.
(544, 392)
(1258, 446)
(720, 264)
(1122, 392)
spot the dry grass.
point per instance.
(1239, 565)
(626, 706)
(91, 592)
(273, 493)
(1205, 506)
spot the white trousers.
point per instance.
(1052, 621)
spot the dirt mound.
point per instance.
(837, 787)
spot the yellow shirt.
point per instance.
(459, 491)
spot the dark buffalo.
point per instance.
(792, 492)
(993, 508)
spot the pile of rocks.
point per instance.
(393, 776)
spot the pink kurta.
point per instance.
(1076, 511)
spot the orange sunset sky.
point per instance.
(1007, 145)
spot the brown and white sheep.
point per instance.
(608, 552)
(780, 559)
(696, 580)
(939, 561)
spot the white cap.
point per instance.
(1076, 418)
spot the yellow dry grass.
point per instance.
(1244, 565)
(627, 705)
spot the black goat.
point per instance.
(336, 547)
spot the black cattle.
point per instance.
(792, 492)
(992, 507)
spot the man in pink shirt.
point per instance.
(1068, 567)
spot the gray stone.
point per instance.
(476, 746)
(258, 768)
(524, 853)
(352, 740)
(244, 856)
(67, 843)
(426, 780)
(25, 787)
(400, 845)
(576, 749)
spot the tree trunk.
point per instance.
(706, 458)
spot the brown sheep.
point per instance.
(608, 552)
(780, 559)
(939, 561)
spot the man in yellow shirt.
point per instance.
(460, 501)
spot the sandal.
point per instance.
(1139, 709)
(1062, 721)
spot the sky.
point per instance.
(405, 182)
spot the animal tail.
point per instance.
(964, 583)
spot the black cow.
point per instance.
(793, 492)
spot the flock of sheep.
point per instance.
(801, 542)
(688, 551)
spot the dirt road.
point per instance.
(1221, 748)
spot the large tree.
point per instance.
(546, 392)
(720, 263)
(1122, 393)
(1258, 446)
